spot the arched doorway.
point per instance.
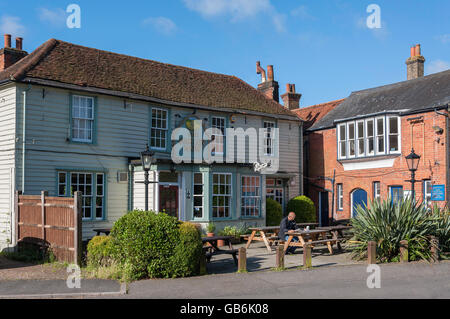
(358, 197)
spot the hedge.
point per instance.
(304, 209)
(274, 212)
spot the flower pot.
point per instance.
(220, 243)
(209, 234)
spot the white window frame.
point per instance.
(97, 195)
(376, 190)
(254, 200)
(89, 121)
(228, 197)
(269, 140)
(202, 196)
(340, 196)
(427, 197)
(221, 137)
(161, 129)
(377, 135)
(342, 141)
(388, 135)
(358, 139)
(351, 140)
(367, 137)
(84, 195)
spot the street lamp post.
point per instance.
(146, 158)
(413, 163)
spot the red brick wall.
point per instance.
(427, 143)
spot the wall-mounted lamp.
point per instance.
(438, 130)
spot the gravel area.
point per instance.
(17, 270)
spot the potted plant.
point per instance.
(210, 228)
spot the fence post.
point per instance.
(43, 194)
(371, 252)
(307, 260)
(404, 251)
(434, 248)
(242, 260)
(280, 257)
(77, 239)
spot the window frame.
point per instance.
(93, 120)
(351, 140)
(202, 195)
(223, 134)
(257, 197)
(340, 197)
(228, 196)
(388, 134)
(427, 201)
(165, 130)
(377, 135)
(342, 141)
(357, 138)
(367, 137)
(269, 137)
(376, 185)
(68, 173)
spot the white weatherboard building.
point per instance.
(76, 118)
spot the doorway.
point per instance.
(168, 199)
(359, 197)
(323, 209)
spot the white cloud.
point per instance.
(56, 17)
(11, 25)
(161, 24)
(380, 33)
(444, 38)
(237, 10)
(437, 66)
(302, 12)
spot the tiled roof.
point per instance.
(72, 64)
(312, 114)
(413, 96)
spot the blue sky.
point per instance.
(324, 47)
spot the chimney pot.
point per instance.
(270, 76)
(417, 49)
(415, 63)
(7, 40)
(19, 42)
(413, 51)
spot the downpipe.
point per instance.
(24, 134)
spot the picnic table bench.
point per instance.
(268, 234)
(212, 249)
(336, 232)
(311, 238)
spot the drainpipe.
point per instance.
(24, 135)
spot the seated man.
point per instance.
(288, 225)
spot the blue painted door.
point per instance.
(359, 197)
(396, 193)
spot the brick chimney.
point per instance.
(290, 98)
(268, 85)
(9, 55)
(415, 63)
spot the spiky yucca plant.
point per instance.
(442, 226)
(387, 223)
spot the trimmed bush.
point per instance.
(150, 245)
(304, 209)
(274, 212)
(99, 251)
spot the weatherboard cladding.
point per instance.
(67, 63)
(405, 97)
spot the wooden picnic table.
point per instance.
(336, 232)
(269, 234)
(105, 231)
(212, 249)
(310, 237)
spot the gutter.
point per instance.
(139, 97)
(24, 135)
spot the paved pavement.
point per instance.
(412, 280)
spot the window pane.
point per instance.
(393, 125)
(342, 136)
(370, 128)
(393, 143)
(360, 129)
(351, 131)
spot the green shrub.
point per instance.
(274, 212)
(99, 251)
(388, 223)
(442, 227)
(211, 227)
(150, 245)
(304, 209)
(233, 231)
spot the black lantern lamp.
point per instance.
(147, 159)
(413, 163)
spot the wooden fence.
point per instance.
(50, 223)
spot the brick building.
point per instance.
(355, 148)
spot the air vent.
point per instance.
(122, 177)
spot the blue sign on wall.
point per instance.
(438, 193)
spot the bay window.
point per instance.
(369, 137)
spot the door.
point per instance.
(396, 193)
(323, 209)
(359, 197)
(168, 199)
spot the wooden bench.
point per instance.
(329, 242)
(232, 252)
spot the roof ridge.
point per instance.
(320, 104)
(142, 59)
(41, 51)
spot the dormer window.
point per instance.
(369, 137)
